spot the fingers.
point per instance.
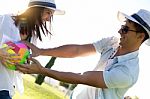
(8, 47)
(34, 61)
(33, 48)
(31, 55)
(28, 43)
(32, 68)
(11, 58)
(5, 53)
(7, 62)
(22, 68)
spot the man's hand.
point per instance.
(35, 50)
(33, 68)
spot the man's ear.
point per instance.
(141, 35)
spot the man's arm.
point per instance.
(69, 51)
(65, 51)
(92, 78)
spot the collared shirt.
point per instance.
(119, 72)
(9, 78)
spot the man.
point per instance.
(118, 67)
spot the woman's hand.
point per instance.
(4, 52)
(7, 58)
(33, 68)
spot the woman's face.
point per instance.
(23, 36)
(47, 14)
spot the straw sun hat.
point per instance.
(50, 4)
(142, 17)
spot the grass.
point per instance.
(35, 91)
(44, 91)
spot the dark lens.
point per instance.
(124, 29)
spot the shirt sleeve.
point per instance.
(105, 42)
(9, 30)
(118, 77)
(1, 33)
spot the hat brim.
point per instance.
(122, 17)
(56, 11)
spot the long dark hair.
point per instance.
(30, 22)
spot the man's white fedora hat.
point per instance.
(142, 17)
(50, 4)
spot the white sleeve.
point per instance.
(105, 42)
(1, 33)
(8, 29)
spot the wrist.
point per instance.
(40, 51)
(42, 70)
(1, 52)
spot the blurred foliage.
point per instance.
(40, 78)
(67, 85)
(35, 91)
(72, 86)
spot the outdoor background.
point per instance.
(87, 21)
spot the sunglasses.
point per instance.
(125, 29)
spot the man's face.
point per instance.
(129, 35)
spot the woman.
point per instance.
(22, 27)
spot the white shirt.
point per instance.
(119, 73)
(9, 78)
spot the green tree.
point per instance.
(40, 78)
(64, 84)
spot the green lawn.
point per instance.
(45, 91)
(35, 91)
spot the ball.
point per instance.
(18, 48)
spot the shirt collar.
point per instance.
(127, 56)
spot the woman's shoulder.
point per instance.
(10, 15)
(7, 18)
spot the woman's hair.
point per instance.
(30, 22)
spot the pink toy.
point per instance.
(19, 48)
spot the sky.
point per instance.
(87, 21)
